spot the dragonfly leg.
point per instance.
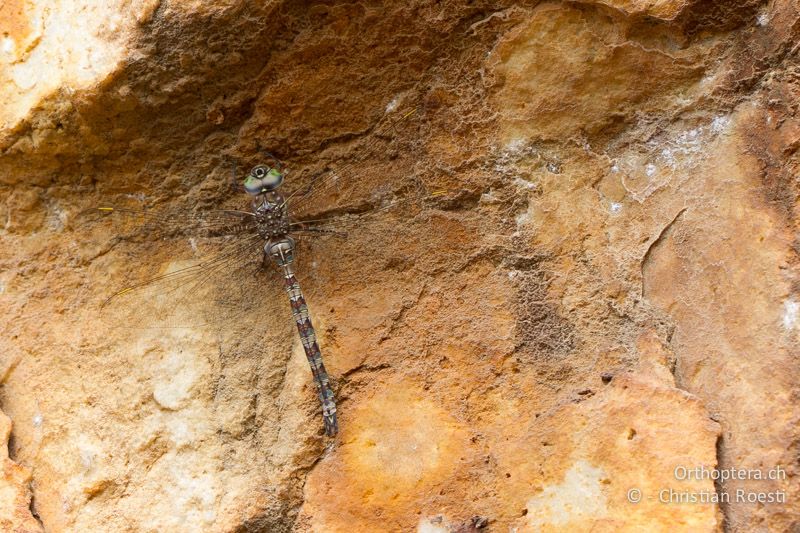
(233, 184)
(281, 253)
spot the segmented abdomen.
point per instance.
(309, 339)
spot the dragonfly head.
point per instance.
(262, 179)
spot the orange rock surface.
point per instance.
(586, 293)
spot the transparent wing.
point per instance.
(186, 270)
(172, 222)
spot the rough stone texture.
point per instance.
(565, 470)
(15, 493)
(606, 289)
(63, 46)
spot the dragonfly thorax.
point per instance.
(272, 218)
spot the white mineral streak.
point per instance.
(579, 496)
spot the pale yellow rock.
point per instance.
(15, 493)
(744, 297)
(63, 46)
(663, 9)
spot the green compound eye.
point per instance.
(273, 179)
(253, 185)
(262, 179)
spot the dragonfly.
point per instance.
(265, 233)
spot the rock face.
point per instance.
(15, 494)
(577, 297)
